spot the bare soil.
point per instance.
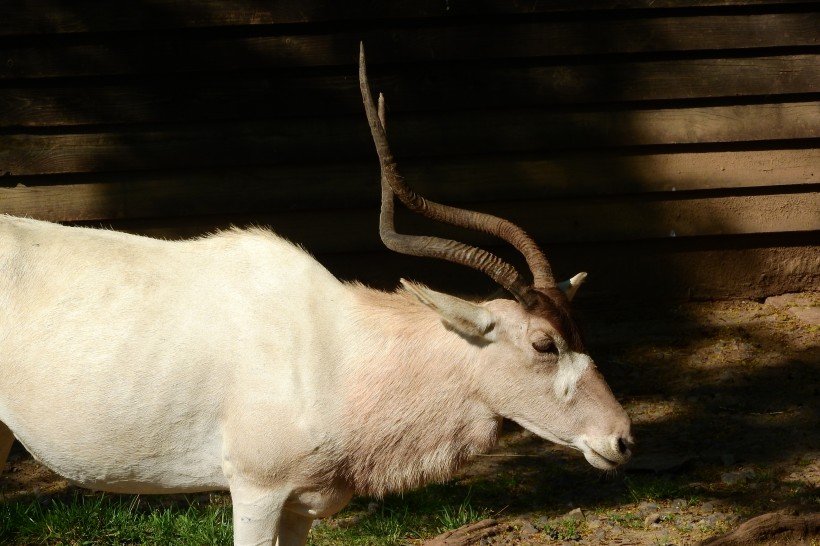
(725, 400)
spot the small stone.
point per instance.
(748, 473)
(577, 514)
(679, 504)
(708, 506)
(685, 526)
(647, 507)
(733, 478)
(713, 519)
(528, 529)
(651, 518)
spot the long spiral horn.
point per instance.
(392, 183)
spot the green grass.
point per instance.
(653, 488)
(565, 529)
(90, 519)
(628, 521)
(84, 519)
(392, 521)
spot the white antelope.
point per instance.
(237, 362)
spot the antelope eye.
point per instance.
(545, 346)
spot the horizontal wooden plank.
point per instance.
(355, 185)
(195, 98)
(32, 17)
(175, 52)
(592, 124)
(414, 135)
(557, 221)
(681, 269)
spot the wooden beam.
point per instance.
(174, 52)
(181, 98)
(355, 185)
(27, 17)
(564, 221)
(681, 269)
(423, 135)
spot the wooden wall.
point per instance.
(671, 148)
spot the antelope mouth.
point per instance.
(599, 461)
(603, 456)
(608, 459)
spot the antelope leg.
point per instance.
(293, 529)
(257, 512)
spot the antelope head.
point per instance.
(541, 375)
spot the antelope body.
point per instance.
(237, 362)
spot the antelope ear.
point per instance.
(570, 287)
(468, 319)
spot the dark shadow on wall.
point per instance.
(174, 132)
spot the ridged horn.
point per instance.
(453, 251)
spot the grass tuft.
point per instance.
(98, 519)
(565, 529)
(652, 488)
(399, 518)
(82, 518)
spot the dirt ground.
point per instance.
(725, 400)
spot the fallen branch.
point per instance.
(468, 534)
(772, 528)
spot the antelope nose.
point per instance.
(623, 447)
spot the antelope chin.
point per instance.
(598, 461)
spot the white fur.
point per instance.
(237, 362)
(571, 369)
